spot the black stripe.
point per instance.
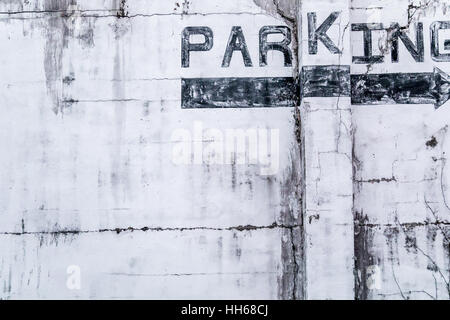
(326, 81)
(239, 92)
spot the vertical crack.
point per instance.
(296, 265)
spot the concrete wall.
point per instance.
(401, 179)
(90, 123)
(109, 189)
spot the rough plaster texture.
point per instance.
(91, 98)
(90, 90)
(327, 131)
(401, 178)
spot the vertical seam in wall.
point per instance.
(301, 140)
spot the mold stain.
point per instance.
(58, 31)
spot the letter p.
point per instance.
(187, 46)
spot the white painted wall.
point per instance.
(401, 184)
(90, 103)
(89, 191)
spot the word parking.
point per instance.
(319, 81)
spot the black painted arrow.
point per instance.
(367, 89)
(317, 81)
(401, 88)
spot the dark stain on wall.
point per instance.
(122, 12)
(432, 142)
(364, 258)
(57, 33)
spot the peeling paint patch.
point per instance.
(432, 142)
(286, 9)
(123, 11)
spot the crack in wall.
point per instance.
(415, 11)
(155, 229)
(377, 180)
(291, 284)
(411, 243)
(83, 13)
(405, 224)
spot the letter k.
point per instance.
(321, 33)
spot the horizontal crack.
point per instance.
(378, 180)
(188, 274)
(100, 100)
(81, 13)
(154, 229)
(406, 225)
(54, 11)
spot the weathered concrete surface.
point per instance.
(143, 265)
(94, 205)
(401, 178)
(327, 130)
(90, 96)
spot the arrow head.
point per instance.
(440, 87)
